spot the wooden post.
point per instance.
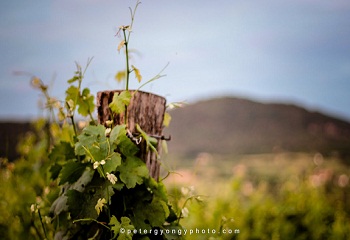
(145, 109)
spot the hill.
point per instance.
(240, 126)
(234, 126)
(10, 134)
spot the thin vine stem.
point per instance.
(185, 203)
(80, 80)
(132, 14)
(126, 43)
(155, 77)
(127, 59)
(183, 206)
(42, 223)
(127, 73)
(71, 116)
(91, 220)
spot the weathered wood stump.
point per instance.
(145, 109)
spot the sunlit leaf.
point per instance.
(73, 79)
(116, 133)
(120, 76)
(120, 101)
(61, 115)
(137, 73)
(72, 95)
(86, 103)
(125, 224)
(93, 143)
(100, 203)
(121, 45)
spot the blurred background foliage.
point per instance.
(281, 195)
(266, 196)
(26, 190)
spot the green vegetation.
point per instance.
(23, 184)
(268, 196)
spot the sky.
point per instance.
(291, 51)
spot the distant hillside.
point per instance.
(239, 126)
(234, 126)
(10, 134)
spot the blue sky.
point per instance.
(294, 51)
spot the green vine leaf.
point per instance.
(71, 172)
(116, 133)
(62, 152)
(93, 143)
(55, 171)
(72, 95)
(82, 204)
(59, 155)
(133, 171)
(74, 79)
(120, 101)
(86, 103)
(158, 189)
(60, 204)
(127, 147)
(171, 232)
(125, 224)
(75, 201)
(154, 214)
(112, 163)
(119, 138)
